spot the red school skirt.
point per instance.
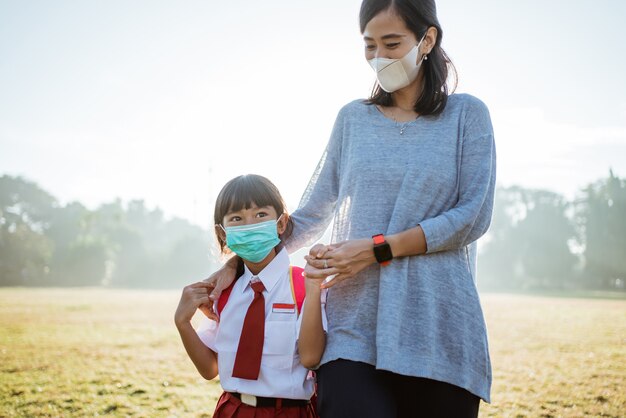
(229, 406)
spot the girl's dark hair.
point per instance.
(418, 15)
(241, 193)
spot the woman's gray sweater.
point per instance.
(421, 315)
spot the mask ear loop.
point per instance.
(425, 56)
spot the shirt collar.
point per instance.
(271, 274)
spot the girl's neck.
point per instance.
(256, 268)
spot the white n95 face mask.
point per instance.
(394, 74)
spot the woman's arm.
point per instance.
(470, 217)
(346, 259)
(457, 227)
(310, 220)
(220, 280)
(202, 357)
(312, 339)
(317, 205)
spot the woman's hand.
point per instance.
(342, 260)
(216, 283)
(192, 298)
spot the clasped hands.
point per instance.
(338, 262)
(332, 263)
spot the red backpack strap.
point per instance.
(298, 290)
(221, 302)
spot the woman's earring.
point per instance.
(426, 57)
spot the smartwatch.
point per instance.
(382, 250)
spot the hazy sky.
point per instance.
(167, 100)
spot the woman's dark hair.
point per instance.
(241, 193)
(418, 15)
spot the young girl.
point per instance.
(260, 346)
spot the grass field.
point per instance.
(100, 352)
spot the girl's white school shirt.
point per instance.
(281, 374)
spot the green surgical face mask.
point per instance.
(252, 242)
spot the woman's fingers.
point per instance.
(329, 265)
(317, 263)
(334, 280)
(318, 250)
(220, 280)
(311, 272)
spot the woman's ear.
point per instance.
(430, 39)
(282, 223)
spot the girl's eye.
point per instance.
(261, 215)
(234, 219)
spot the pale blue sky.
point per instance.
(167, 100)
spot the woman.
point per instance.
(408, 176)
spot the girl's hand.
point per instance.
(313, 286)
(216, 283)
(192, 297)
(343, 260)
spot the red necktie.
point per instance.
(250, 349)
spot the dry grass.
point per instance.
(556, 357)
(91, 352)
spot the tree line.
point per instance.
(537, 240)
(44, 243)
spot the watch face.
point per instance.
(382, 252)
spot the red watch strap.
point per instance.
(380, 239)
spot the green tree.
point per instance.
(527, 245)
(25, 250)
(150, 251)
(499, 264)
(603, 212)
(545, 233)
(80, 253)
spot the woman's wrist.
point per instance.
(368, 251)
(232, 263)
(407, 243)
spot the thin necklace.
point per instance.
(404, 125)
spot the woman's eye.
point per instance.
(370, 47)
(393, 45)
